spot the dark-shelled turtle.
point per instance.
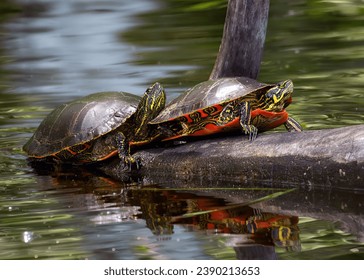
(97, 126)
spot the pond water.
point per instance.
(54, 51)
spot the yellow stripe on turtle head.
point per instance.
(277, 95)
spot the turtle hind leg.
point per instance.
(226, 115)
(292, 125)
(245, 121)
(165, 131)
(123, 147)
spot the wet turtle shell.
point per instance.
(78, 122)
(207, 94)
(227, 104)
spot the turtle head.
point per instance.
(151, 104)
(279, 96)
(154, 99)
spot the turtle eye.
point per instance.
(281, 85)
(274, 94)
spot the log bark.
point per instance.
(331, 158)
(243, 39)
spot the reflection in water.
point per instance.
(164, 208)
(242, 227)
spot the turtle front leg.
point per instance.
(292, 125)
(123, 146)
(245, 121)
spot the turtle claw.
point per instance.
(253, 134)
(132, 163)
(250, 130)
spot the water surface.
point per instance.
(54, 51)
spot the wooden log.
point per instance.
(330, 158)
(243, 39)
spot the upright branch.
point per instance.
(242, 43)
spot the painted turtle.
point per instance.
(96, 127)
(227, 104)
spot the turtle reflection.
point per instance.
(251, 232)
(162, 209)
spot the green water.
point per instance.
(54, 51)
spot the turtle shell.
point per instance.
(210, 93)
(81, 121)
